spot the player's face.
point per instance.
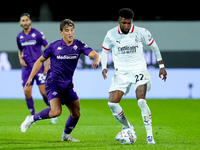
(25, 22)
(125, 24)
(68, 34)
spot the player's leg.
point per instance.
(146, 113)
(28, 92)
(29, 99)
(117, 111)
(74, 109)
(54, 111)
(43, 93)
(40, 81)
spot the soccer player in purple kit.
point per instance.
(64, 56)
(29, 42)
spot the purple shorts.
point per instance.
(55, 90)
(39, 77)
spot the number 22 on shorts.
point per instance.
(139, 77)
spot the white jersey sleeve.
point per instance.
(148, 40)
(147, 37)
(107, 43)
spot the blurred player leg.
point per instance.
(29, 100)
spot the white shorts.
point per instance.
(122, 80)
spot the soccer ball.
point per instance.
(127, 136)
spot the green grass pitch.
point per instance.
(176, 125)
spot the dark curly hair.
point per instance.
(126, 13)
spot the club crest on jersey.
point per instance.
(54, 93)
(75, 47)
(33, 35)
(136, 39)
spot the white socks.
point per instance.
(118, 113)
(146, 116)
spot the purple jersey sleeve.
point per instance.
(42, 39)
(85, 49)
(19, 44)
(48, 51)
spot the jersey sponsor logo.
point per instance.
(127, 49)
(31, 42)
(72, 56)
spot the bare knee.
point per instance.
(27, 93)
(115, 96)
(76, 114)
(55, 113)
(141, 91)
(56, 108)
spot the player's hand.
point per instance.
(95, 65)
(23, 63)
(104, 73)
(163, 74)
(28, 83)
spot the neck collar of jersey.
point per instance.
(130, 31)
(63, 43)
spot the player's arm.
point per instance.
(96, 58)
(46, 67)
(21, 59)
(156, 51)
(38, 64)
(104, 59)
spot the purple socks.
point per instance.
(44, 114)
(70, 124)
(30, 105)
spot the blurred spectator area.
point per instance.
(98, 10)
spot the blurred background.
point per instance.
(175, 28)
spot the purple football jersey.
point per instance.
(31, 44)
(64, 60)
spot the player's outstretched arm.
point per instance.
(96, 58)
(36, 68)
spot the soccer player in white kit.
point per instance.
(126, 42)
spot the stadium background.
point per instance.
(176, 32)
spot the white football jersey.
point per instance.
(127, 49)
